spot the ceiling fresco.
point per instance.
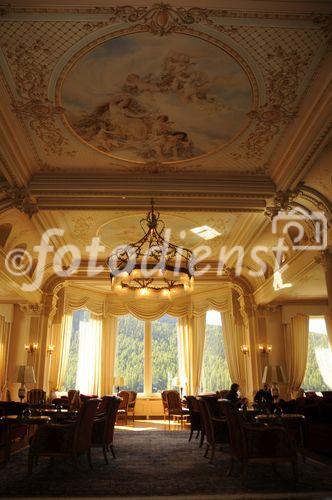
(194, 89)
(143, 98)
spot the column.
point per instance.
(148, 358)
(327, 263)
(17, 353)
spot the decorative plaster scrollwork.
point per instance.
(41, 116)
(281, 85)
(281, 201)
(22, 199)
(32, 309)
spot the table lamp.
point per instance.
(119, 382)
(25, 375)
(274, 375)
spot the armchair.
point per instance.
(34, 396)
(174, 406)
(194, 415)
(252, 443)
(123, 408)
(65, 440)
(103, 425)
(215, 428)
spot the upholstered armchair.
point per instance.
(132, 404)
(215, 428)
(34, 396)
(164, 402)
(174, 406)
(103, 425)
(123, 408)
(255, 443)
(65, 440)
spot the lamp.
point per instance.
(177, 382)
(119, 382)
(25, 375)
(152, 264)
(31, 348)
(274, 375)
(245, 349)
(265, 348)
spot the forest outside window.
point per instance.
(318, 375)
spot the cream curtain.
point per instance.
(296, 346)
(328, 322)
(191, 335)
(4, 345)
(64, 344)
(88, 377)
(108, 353)
(234, 335)
(147, 309)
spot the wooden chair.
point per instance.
(65, 440)
(74, 399)
(254, 443)
(132, 404)
(195, 416)
(215, 428)
(103, 425)
(174, 407)
(123, 408)
(34, 396)
(164, 402)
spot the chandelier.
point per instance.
(152, 264)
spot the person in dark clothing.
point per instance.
(264, 395)
(233, 394)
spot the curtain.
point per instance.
(233, 333)
(4, 345)
(61, 335)
(108, 353)
(296, 345)
(88, 377)
(191, 336)
(324, 361)
(328, 322)
(147, 309)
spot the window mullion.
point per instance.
(147, 357)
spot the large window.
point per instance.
(79, 317)
(164, 353)
(215, 374)
(130, 353)
(318, 375)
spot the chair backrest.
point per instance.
(132, 396)
(124, 395)
(74, 399)
(34, 396)
(206, 420)
(84, 425)
(112, 410)
(234, 424)
(173, 401)
(164, 400)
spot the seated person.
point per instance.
(264, 395)
(233, 396)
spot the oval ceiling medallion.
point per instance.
(140, 97)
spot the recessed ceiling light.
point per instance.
(205, 232)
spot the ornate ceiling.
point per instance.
(218, 112)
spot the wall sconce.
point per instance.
(50, 349)
(245, 349)
(31, 348)
(265, 348)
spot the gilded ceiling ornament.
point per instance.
(22, 199)
(281, 107)
(160, 19)
(41, 115)
(282, 201)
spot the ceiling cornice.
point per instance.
(229, 193)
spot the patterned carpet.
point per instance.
(153, 463)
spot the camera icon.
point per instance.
(297, 223)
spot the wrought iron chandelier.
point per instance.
(152, 264)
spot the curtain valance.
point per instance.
(110, 304)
